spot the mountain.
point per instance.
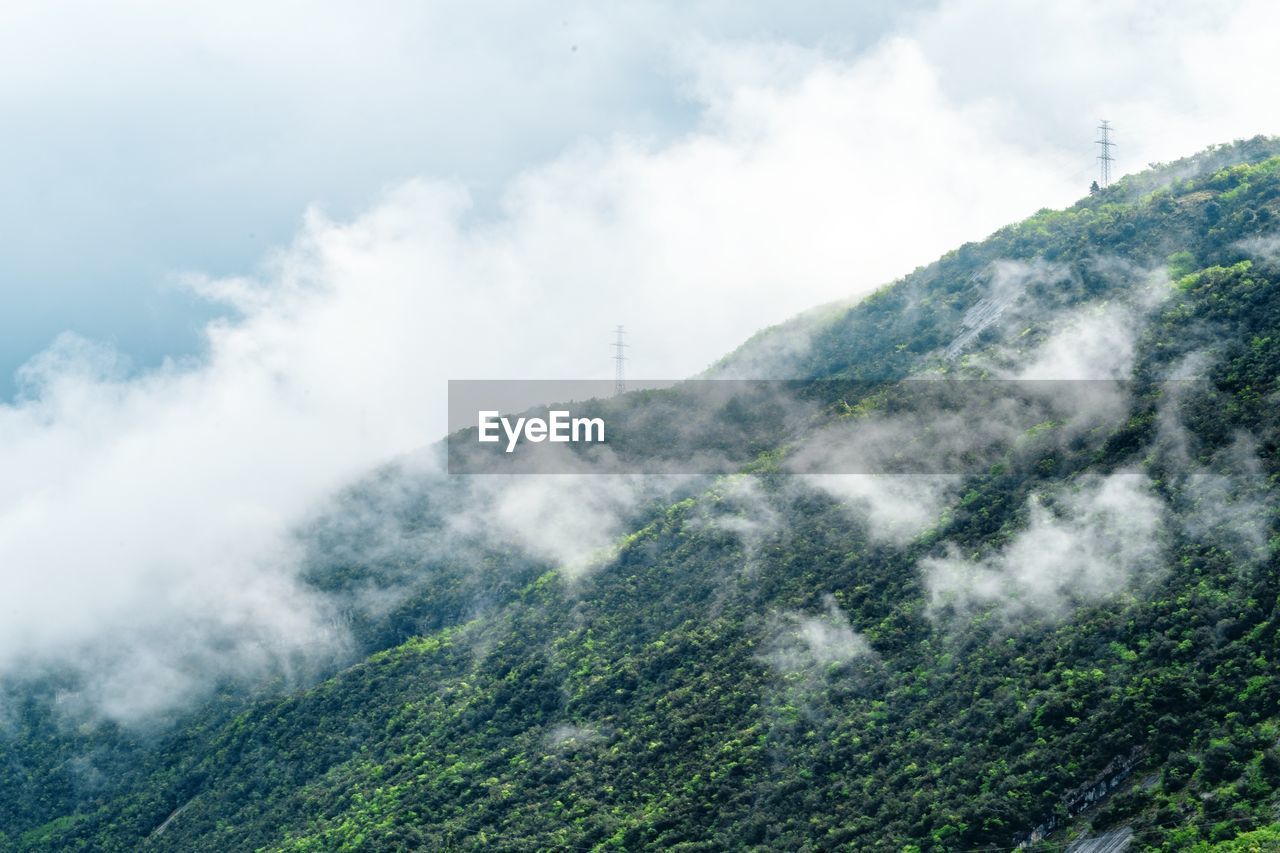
(1067, 627)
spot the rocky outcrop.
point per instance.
(1087, 796)
(1115, 841)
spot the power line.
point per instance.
(1105, 159)
(619, 358)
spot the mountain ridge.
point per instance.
(763, 664)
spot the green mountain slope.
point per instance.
(757, 664)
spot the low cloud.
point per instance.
(1098, 343)
(1079, 546)
(570, 735)
(741, 507)
(808, 644)
(1263, 249)
(1062, 333)
(895, 508)
(569, 520)
(1223, 499)
(1235, 512)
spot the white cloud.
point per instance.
(569, 520)
(811, 644)
(569, 735)
(895, 508)
(1095, 542)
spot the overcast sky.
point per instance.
(145, 142)
(245, 247)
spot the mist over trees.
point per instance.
(783, 658)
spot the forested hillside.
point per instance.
(1073, 631)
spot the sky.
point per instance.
(146, 144)
(143, 142)
(247, 246)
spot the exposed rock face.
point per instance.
(1115, 841)
(1087, 796)
(984, 313)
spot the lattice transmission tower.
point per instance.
(619, 360)
(1104, 158)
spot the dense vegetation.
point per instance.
(676, 697)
